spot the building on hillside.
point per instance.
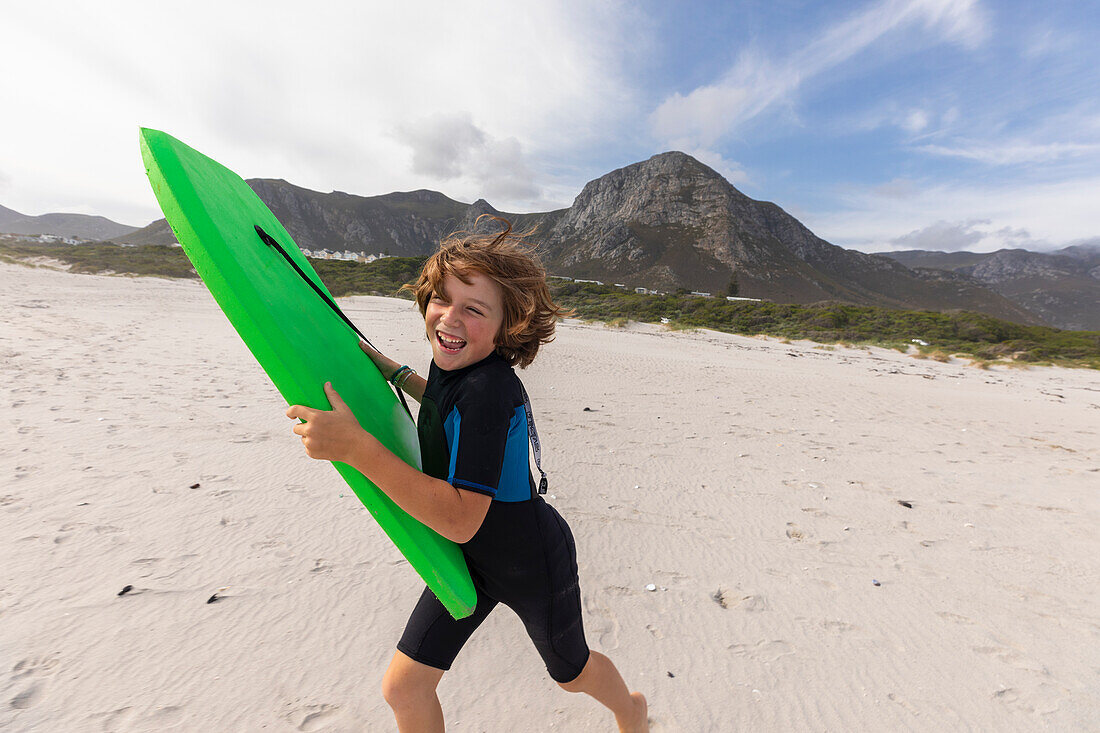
(699, 294)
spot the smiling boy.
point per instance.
(486, 308)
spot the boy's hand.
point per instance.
(329, 435)
(385, 365)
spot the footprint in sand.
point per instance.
(838, 627)
(107, 529)
(165, 717)
(605, 627)
(66, 530)
(795, 532)
(765, 650)
(894, 697)
(1012, 658)
(26, 672)
(752, 604)
(28, 697)
(313, 717)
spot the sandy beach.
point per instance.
(839, 539)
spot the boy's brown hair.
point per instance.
(508, 260)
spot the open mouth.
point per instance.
(449, 344)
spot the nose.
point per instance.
(450, 316)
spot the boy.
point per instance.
(486, 308)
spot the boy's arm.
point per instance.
(413, 386)
(454, 513)
(337, 436)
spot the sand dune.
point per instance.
(757, 485)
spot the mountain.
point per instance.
(79, 226)
(664, 223)
(1061, 286)
(9, 215)
(1089, 251)
(673, 222)
(404, 224)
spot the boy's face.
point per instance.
(462, 324)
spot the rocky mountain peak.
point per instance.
(477, 209)
(670, 189)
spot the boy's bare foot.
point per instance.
(640, 723)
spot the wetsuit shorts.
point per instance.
(523, 556)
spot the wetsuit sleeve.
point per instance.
(477, 431)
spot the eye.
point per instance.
(475, 311)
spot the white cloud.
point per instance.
(1004, 214)
(442, 144)
(449, 147)
(942, 236)
(756, 84)
(915, 121)
(731, 170)
(311, 96)
(1013, 152)
(918, 121)
(1048, 42)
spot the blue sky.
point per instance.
(932, 124)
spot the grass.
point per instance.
(150, 260)
(984, 339)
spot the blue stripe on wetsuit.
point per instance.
(514, 482)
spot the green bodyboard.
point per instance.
(298, 339)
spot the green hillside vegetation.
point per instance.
(148, 260)
(974, 334)
(381, 277)
(980, 337)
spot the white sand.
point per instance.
(719, 468)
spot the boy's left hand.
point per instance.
(329, 435)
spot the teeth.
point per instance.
(453, 343)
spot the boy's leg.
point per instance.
(602, 680)
(433, 636)
(409, 688)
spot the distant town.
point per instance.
(347, 255)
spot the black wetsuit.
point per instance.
(473, 434)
